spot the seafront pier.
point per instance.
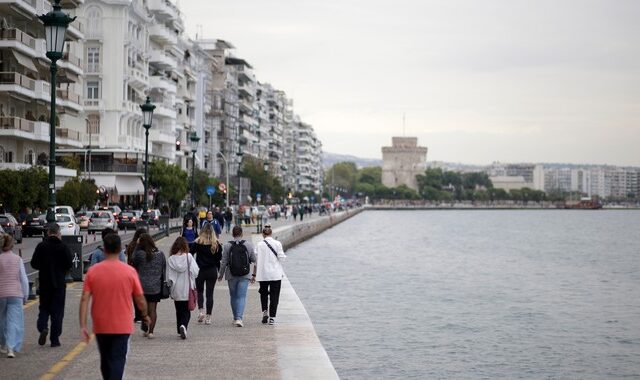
(288, 350)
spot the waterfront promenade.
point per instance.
(288, 350)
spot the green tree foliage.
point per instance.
(171, 184)
(21, 189)
(262, 182)
(201, 183)
(77, 193)
(343, 175)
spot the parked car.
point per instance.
(128, 219)
(152, 216)
(101, 219)
(64, 210)
(11, 227)
(115, 209)
(82, 218)
(33, 225)
(68, 225)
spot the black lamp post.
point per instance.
(147, 118)
(55, 28)
(194, 148)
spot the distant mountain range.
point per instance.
(328, 159)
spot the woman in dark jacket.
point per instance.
(208, 252)
(150, 263)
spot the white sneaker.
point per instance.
(207, 320)
(183, 332)
(10, 353)
(238, 323)
(272, 321)
(201, 316)
(4, 350)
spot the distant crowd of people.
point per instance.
(125, 284)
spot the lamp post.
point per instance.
(226, 163)
(239, 153)
(194, 148)
(147, 117)
(55, 27)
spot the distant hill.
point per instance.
(328, 159)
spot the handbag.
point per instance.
(193, 294)
(165, 290)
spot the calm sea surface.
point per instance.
(476, 294)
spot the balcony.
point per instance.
(162, 136)
(17, 39)
(163, 83)
(93, 68)
(105, 167)
(137, 78)
(74, 30)
(71, 62)
(131, 142)
(16, 124)
(164, 9)
(17, 83)
(132, 107)
(93, 105)
(163, 110)
(69, 99)
(162, 60)
(162, 35)
(94, 140)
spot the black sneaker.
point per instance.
(42, 339)
(144, 327)
(265, 317)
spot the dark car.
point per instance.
(11, 227)
(128, 219)
(33, 225)
(152, 217)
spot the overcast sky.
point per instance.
(478, 80)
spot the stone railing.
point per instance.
(19, 79)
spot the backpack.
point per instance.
(239, 259)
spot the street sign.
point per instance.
(211, 190)
(222, 187)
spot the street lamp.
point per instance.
(147, 117)
(226, 163)
(55, 28)
(194, 148)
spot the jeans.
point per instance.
(183, 314)
(11, 323)
(52, 306)
(270, 290)
(227, 225)
(113, 354)
(238, 295)
(206, 280)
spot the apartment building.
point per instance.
(515, 176)
(25, 87)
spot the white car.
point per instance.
(68, 225)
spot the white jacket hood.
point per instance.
(178, 263)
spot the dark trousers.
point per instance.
(113, 354)
(270, 291)
(183, 315)
(52, 306)
(205, 283)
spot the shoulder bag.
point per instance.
(193, 294)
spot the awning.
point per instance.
(108, 181)
(129, 185)
(24, 61)
(66, 76)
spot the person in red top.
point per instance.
(110, 285)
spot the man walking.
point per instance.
(110, 285)
(52, 259)
(268, 272)
(237, 256)
(217, 215)
(213, 222)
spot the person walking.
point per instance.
(213, 222)
(53, 260)
(110, 286)
(228, 218)
(295, 212)
(237, 256)
(14, 292)
(131, 247)
(268, 272)
(302, 210)
(98, 254)
(189, 232)
(150, 263)
(208, 252)
(182, 271)
(217, 215)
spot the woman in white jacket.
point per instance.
(180, 280)
(268, 272)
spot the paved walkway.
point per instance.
(289, 350)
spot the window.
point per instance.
(94, 22)
(8, 157)
(93, 124)
(29, 158)
(1, 154)
(93, 59)
(93, 90)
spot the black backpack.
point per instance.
(239, 264)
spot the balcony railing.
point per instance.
(120, 168)
(72, 59)
(92, 68)
(18, 79)
(93, 103)
(16, 123)
(67, 95)
(15, 34)
(67, 134)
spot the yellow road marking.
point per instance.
(59, 366)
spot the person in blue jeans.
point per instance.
(238, 282)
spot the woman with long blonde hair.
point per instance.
(208, 252)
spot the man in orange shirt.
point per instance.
(111, 284)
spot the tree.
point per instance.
(22, 189)
(263, 182)
(77, 193)
(170, 182)
(343, 175)
(370, 175)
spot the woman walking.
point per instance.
(189, 232)
(208, 253)
(129, 253)
(269, 273)
(182, 271)
(14, 291)
(150, 263)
